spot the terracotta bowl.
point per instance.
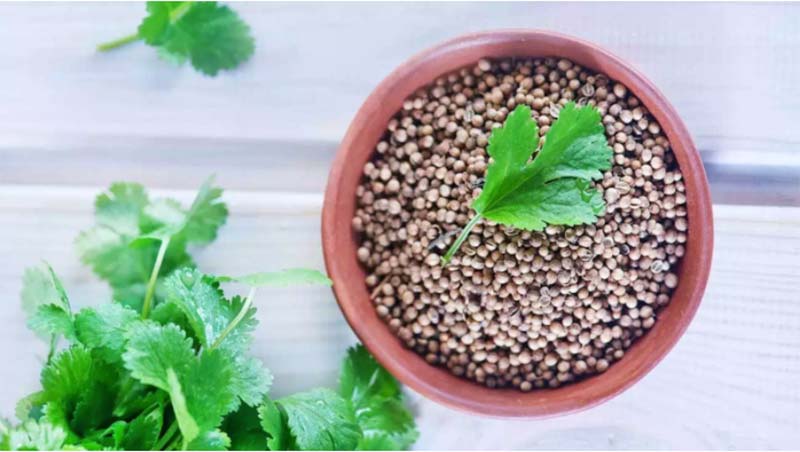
(339, 241)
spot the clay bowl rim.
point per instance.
(339, 245)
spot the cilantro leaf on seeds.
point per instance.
(563, 201)
(554, 187)
(211, 36)
(574, 147)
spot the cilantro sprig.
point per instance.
(552, 188)
(167, 364)
(211, 36)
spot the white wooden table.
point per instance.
(72, 121)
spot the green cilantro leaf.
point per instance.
(212, 440)
(206, 215)
(251, 380)
(30, 406)
(46, 304)
(282, 278)
(274, 422)
(362, 378)
(136, 237)
(213, 320)
(378, 442)
(79, 389)
(165, 218)
(244, 429)
(388, 442)
(182, 377)
(134, 397)
(553, 188)
(320, 419)
(143, 432)
(207, 385)
(199, 386)
(211, 36)
(205, 306)
(107, 247)
(34, 435)
(103, 329)
(120, 208)
(377, 399)
(51, 320)
(153, 350)
(154, 27)
(67, 375)
(108, 438)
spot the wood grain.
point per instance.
(729, 69)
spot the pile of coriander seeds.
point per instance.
(517, 308)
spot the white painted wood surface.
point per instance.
(72, 121)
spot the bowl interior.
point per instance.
(339, 242)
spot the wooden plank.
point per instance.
(733, 381)
(730, 69)
(182, 163)
(747, 176)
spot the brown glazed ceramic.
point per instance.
(339, 241)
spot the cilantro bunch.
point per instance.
(212, 37)
(552, 188)
(167, 364)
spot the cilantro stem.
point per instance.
(111, 45)
(174, 16)
(461, 238)
(162, 443)
(242, 312)
(53, 344)
(178, 12)
(151, 285)
(174, 444)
